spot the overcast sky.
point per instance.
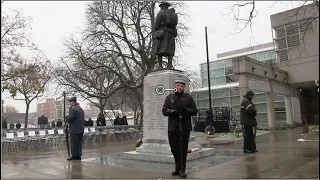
(53, 21)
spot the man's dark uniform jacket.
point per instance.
(183, 103)
(76, 120)
(247, 113)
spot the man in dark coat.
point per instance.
(90, 122)
(124, 120)
(53, 124)
(101, 121)
(116, 122)
(75, 120)
(179, 107)
(4, 124)
(18, 125)
(247, 120)
(59, 123)
(165, 33)
(11, 125)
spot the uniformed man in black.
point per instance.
(179, 107)
(248, 113)
(75, 121)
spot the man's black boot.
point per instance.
(78, 158)
(175, 173)
(70, 158)
(183, 174)
(247, 151)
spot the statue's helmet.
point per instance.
(164, 3)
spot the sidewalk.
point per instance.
(279, 156)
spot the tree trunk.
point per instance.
(27, 115)
(139, 98)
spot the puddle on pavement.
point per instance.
(220, 157)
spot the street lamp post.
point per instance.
(2, 110)
(64, 93)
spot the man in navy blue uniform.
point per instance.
(179, 107)
(75, 121)
(248, 113)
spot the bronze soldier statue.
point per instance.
(165, 33)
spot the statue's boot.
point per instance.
(169, 63)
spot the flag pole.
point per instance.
(209, 84)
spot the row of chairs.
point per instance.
(22, 141)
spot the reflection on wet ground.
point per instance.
(279, 156)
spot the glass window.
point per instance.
(202, 112)
(281, 116)
(229, 70)
(203, 67)
(235, 100)
(261, 108)
(280, 106)
(204, 75)
(292, 28)
(234, 92)
(228, 62)
(217, 64)
(236, 109)
(269, 62)
(221, 102)
(262, 117)
(259, 98)
(253, 56)
(231, 78)
(205, 83)
(217, 72)
(203, 103)
(278, 97)
(218, 80)
(270, 55)
(305, 25)
(221, 93)
(262, 56)
(203, 95)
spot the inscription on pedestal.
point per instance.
(154, 107)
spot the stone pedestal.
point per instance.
(155, 146)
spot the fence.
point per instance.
(16, 141)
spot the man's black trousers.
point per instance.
(174, 141)
(76, 144)
(248, 138)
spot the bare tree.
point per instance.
(10, 109)
(15, 36)
(94, 85)
(296, 22)
(118, 37)
(30, 83)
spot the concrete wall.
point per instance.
(245, 65)
(243, 50)
(303, 60)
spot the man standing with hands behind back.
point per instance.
(179, 107)
(75, 120)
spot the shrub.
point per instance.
(280, 125)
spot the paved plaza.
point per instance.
(280, 156)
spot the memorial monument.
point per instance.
(157, 85)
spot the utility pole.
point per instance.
(209, 84)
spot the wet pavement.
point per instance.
(280, 156)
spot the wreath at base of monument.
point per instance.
(209, 130)
(139, 143)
